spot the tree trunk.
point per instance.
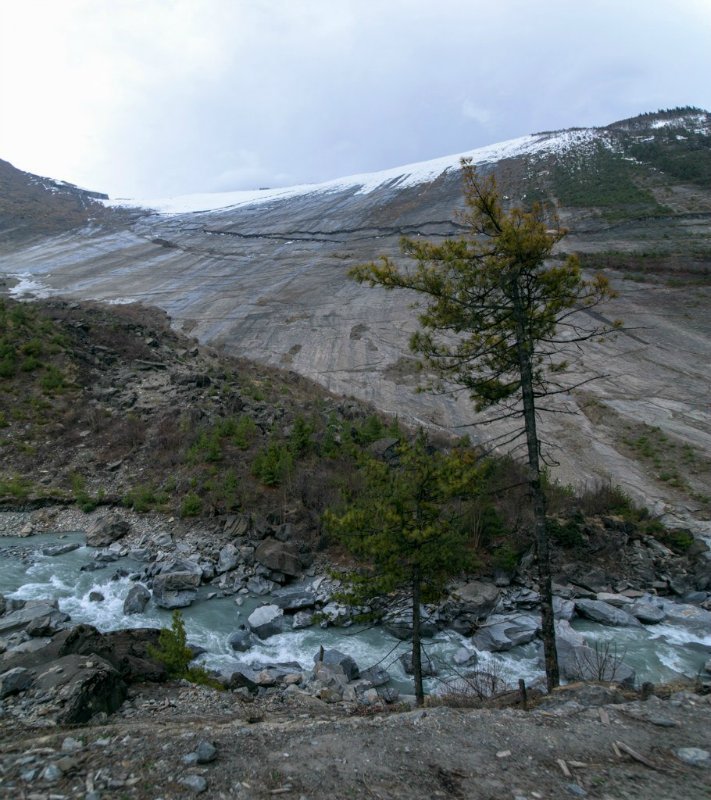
(416, 638)
(538, 498)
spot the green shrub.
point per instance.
(300, 441)
(245, 432)
(52, 380)
(273, 464)
(175, 655)
(16, 486)
(191, 505)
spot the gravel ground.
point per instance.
(298, 747)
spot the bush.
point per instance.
(273, 464)
(175, 655)
(191, 506)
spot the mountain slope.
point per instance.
(264, 275)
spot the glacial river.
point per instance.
(657, 652)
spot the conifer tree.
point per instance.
(498, 321)
(406, 523)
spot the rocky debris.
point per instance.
(105, 530)
(43, 613)
(606, 614)
(228, 559)
(60, 549)
(267, 620)
(136, 599)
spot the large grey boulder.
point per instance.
(606, 614)
(78, 687)
(335, 658)
(260, 585)
(267, 621)
(500, 632)
(646, 613)
(563, 608)
(375, 676)
(228, 559)
(177, 589)
(295, 599)
(400, 625)
(280, 556)
(106, 530)
(136, 599)
(476, 597)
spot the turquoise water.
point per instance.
(657, 652)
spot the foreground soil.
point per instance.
(299, 747)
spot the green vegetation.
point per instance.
(175, 655)
(490, 326)
(407, 522)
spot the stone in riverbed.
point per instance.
(476, 597)
(336, 658)
(228, 559)
(240, 640)
(22, 617)
(266, 621)
(136, 599)
(60, 549)
(500, 632)
(646, 613)
(606, 614)
(428, 667)
(281, 556)
(376, 676)
(176, 589)
(259, 585)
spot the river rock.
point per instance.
(295, 599)
(428, 667)
(500, 632)
(60, 549)
(206, 752)
(136, 599)
(266, 621)
(692, 616)
(376, 676)
(606, 614)
(577, 661)
(476, 597)
(465, 657)
(106, 530)
(47, 624)
(259, 585)
(240, 640)
(228, 558)
(694, 756)
(617, 600)
(707, 666)
(176, 589)
(646, 613)
(14, 680)
(302, 619)
(400, 625)
(563, 608)
(281, 556)
(339, 659)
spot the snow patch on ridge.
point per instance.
(398, 177)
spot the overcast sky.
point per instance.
(150, 98)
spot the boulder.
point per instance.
(47, 624)
(228, 559)
(60, 549)
(476, 597)
(302, 619)
(617, 600)
(375, 676)
(465, 658)
(259, 585)
(500, 632)
(338, 659)
(176, 589)
(266, 621)
(280, 556)
(646, 613)
(14, 680)
(106, 530)
(136, 599)
(78, 687)
(400, 625)
(295, 600)
(606, 614)
(241, 640)
(562, 608)
(428, 667)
